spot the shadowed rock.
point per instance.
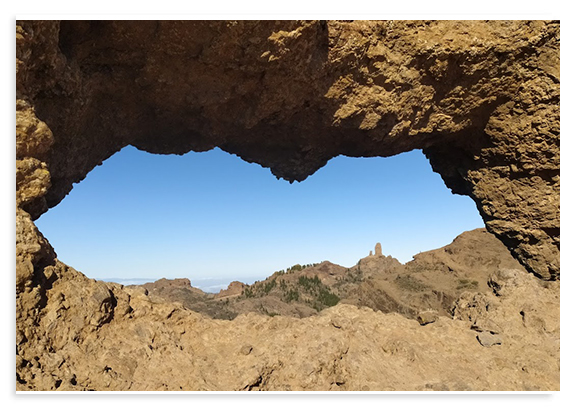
(482, 99)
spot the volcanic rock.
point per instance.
(481, 99)
(488, 339)
(433, 280)
(378, 250)
(124, 341)
(235, 288)
(425, 318)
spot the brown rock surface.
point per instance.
(93, 335)
(182, 292)
(480, 98)
(235, 288)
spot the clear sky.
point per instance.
(213, 215)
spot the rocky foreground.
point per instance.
(463, 317)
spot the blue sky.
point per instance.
(213, 215)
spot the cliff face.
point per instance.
(480, 98)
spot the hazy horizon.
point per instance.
(213, 215)
(208, 285)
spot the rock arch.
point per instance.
(481, 99)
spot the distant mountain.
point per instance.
(208, 285)
(432, 281)
(127, 281)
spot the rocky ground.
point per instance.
(502, 333)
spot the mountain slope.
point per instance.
(432, 281)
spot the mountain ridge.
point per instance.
(431, 281)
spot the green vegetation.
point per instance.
(248, 292)
(294, 268)
(291, 295)
(467, 284)
(259, 289)
(268, 286)
(321, 294)
(309, 290)
(327, 298)
(410, 283)
(311, 283)
(351, 276)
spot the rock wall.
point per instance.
(480, 98)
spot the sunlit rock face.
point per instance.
(481, 99)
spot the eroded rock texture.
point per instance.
(480, 98)
(98, 336)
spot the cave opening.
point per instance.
(214, 218)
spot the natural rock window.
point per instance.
(211, 215)
(481, 99)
